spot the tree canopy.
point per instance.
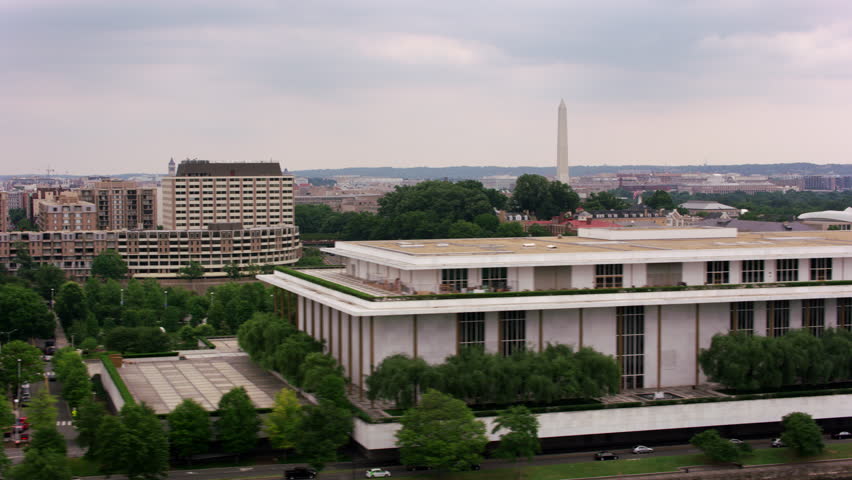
(442, 433)
(189, 429)
(802, 434)
(109, 265)
(238, 423)
(542, 197)
(520, 437)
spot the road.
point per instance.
(345, 471)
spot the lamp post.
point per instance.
(166, 299)
(122, 297)
(51, 299)
(10, 332)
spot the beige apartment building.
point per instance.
(122, 205)
(4, 211)
(66, 213)
(202, 193)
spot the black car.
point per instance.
(606, 456)
(300, 473)
(841, 435)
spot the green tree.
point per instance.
(324, 429)
(25, 262)
(189, 429)
(659, 199)
(604, 201)
(48, 278)
(24, 313)
(31, 366)
(113, 442)
(283, 424)
(715, 447)
(7, 415)
(398, 378)
(510, 230)
(538, 231)
(41, 465)
(71, 304)
(238, 423)
(48, 439)
(192, 270)
(109, 265)
(90, 415)
(441, 433)
(521, 433)
(487, 222)
(544, 199)
(465, 229)
(802, 434)
(5, 463)
(42, 411)
(233, 271)
(147, 446)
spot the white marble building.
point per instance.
(653, 298)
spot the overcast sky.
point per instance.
(112, 86)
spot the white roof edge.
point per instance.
(361, 308)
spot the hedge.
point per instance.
(206, 342)
(150, 355)
(592, 291)
(116, 378)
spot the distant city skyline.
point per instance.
(103, 87)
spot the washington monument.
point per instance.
(562, 145)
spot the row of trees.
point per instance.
(477, 377)
(751, 362)
(98, 307)
(801, 434)
(314, 431)
(442, 433)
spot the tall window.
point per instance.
(471, 328)
(820, 269)
(753, 271)
(630, 343)
(718, 272)
(813, 316)
(844, 313)
(742, 317)
(777, 318)
(513, 332)
(453, 280)
(787, 270)
(494, 278)
(609, 276)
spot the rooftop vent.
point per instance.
(551, 246)
(527, 245)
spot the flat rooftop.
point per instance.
(658, 239)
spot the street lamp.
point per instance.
(7, 333)
(51, 299)
(166, 299)
(122, 297)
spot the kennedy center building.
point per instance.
(652, 298)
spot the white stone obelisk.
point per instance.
(562, 145)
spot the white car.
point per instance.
(638, 449)
(377, 473)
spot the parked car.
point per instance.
(640, 449)
(736, 441)
(377, 473)
(841, 435)
(777, 443)
(24, 423)
(300, 473)
(605, 456)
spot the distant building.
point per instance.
(67, 213)
(122, 205)
(343, 202)
(172, 167)
(696, 207)
(203, 193)
(499, 182)
(4, 211)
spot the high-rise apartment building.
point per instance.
(202, 193)
(4, 211)
(122, 205)
(66, 213)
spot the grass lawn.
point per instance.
(633, 465)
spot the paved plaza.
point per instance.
(204, 378)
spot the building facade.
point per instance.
(156, 253)
(652, 298)
(203, 193)
(67, 213)
(122, 205)
(4, 211)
